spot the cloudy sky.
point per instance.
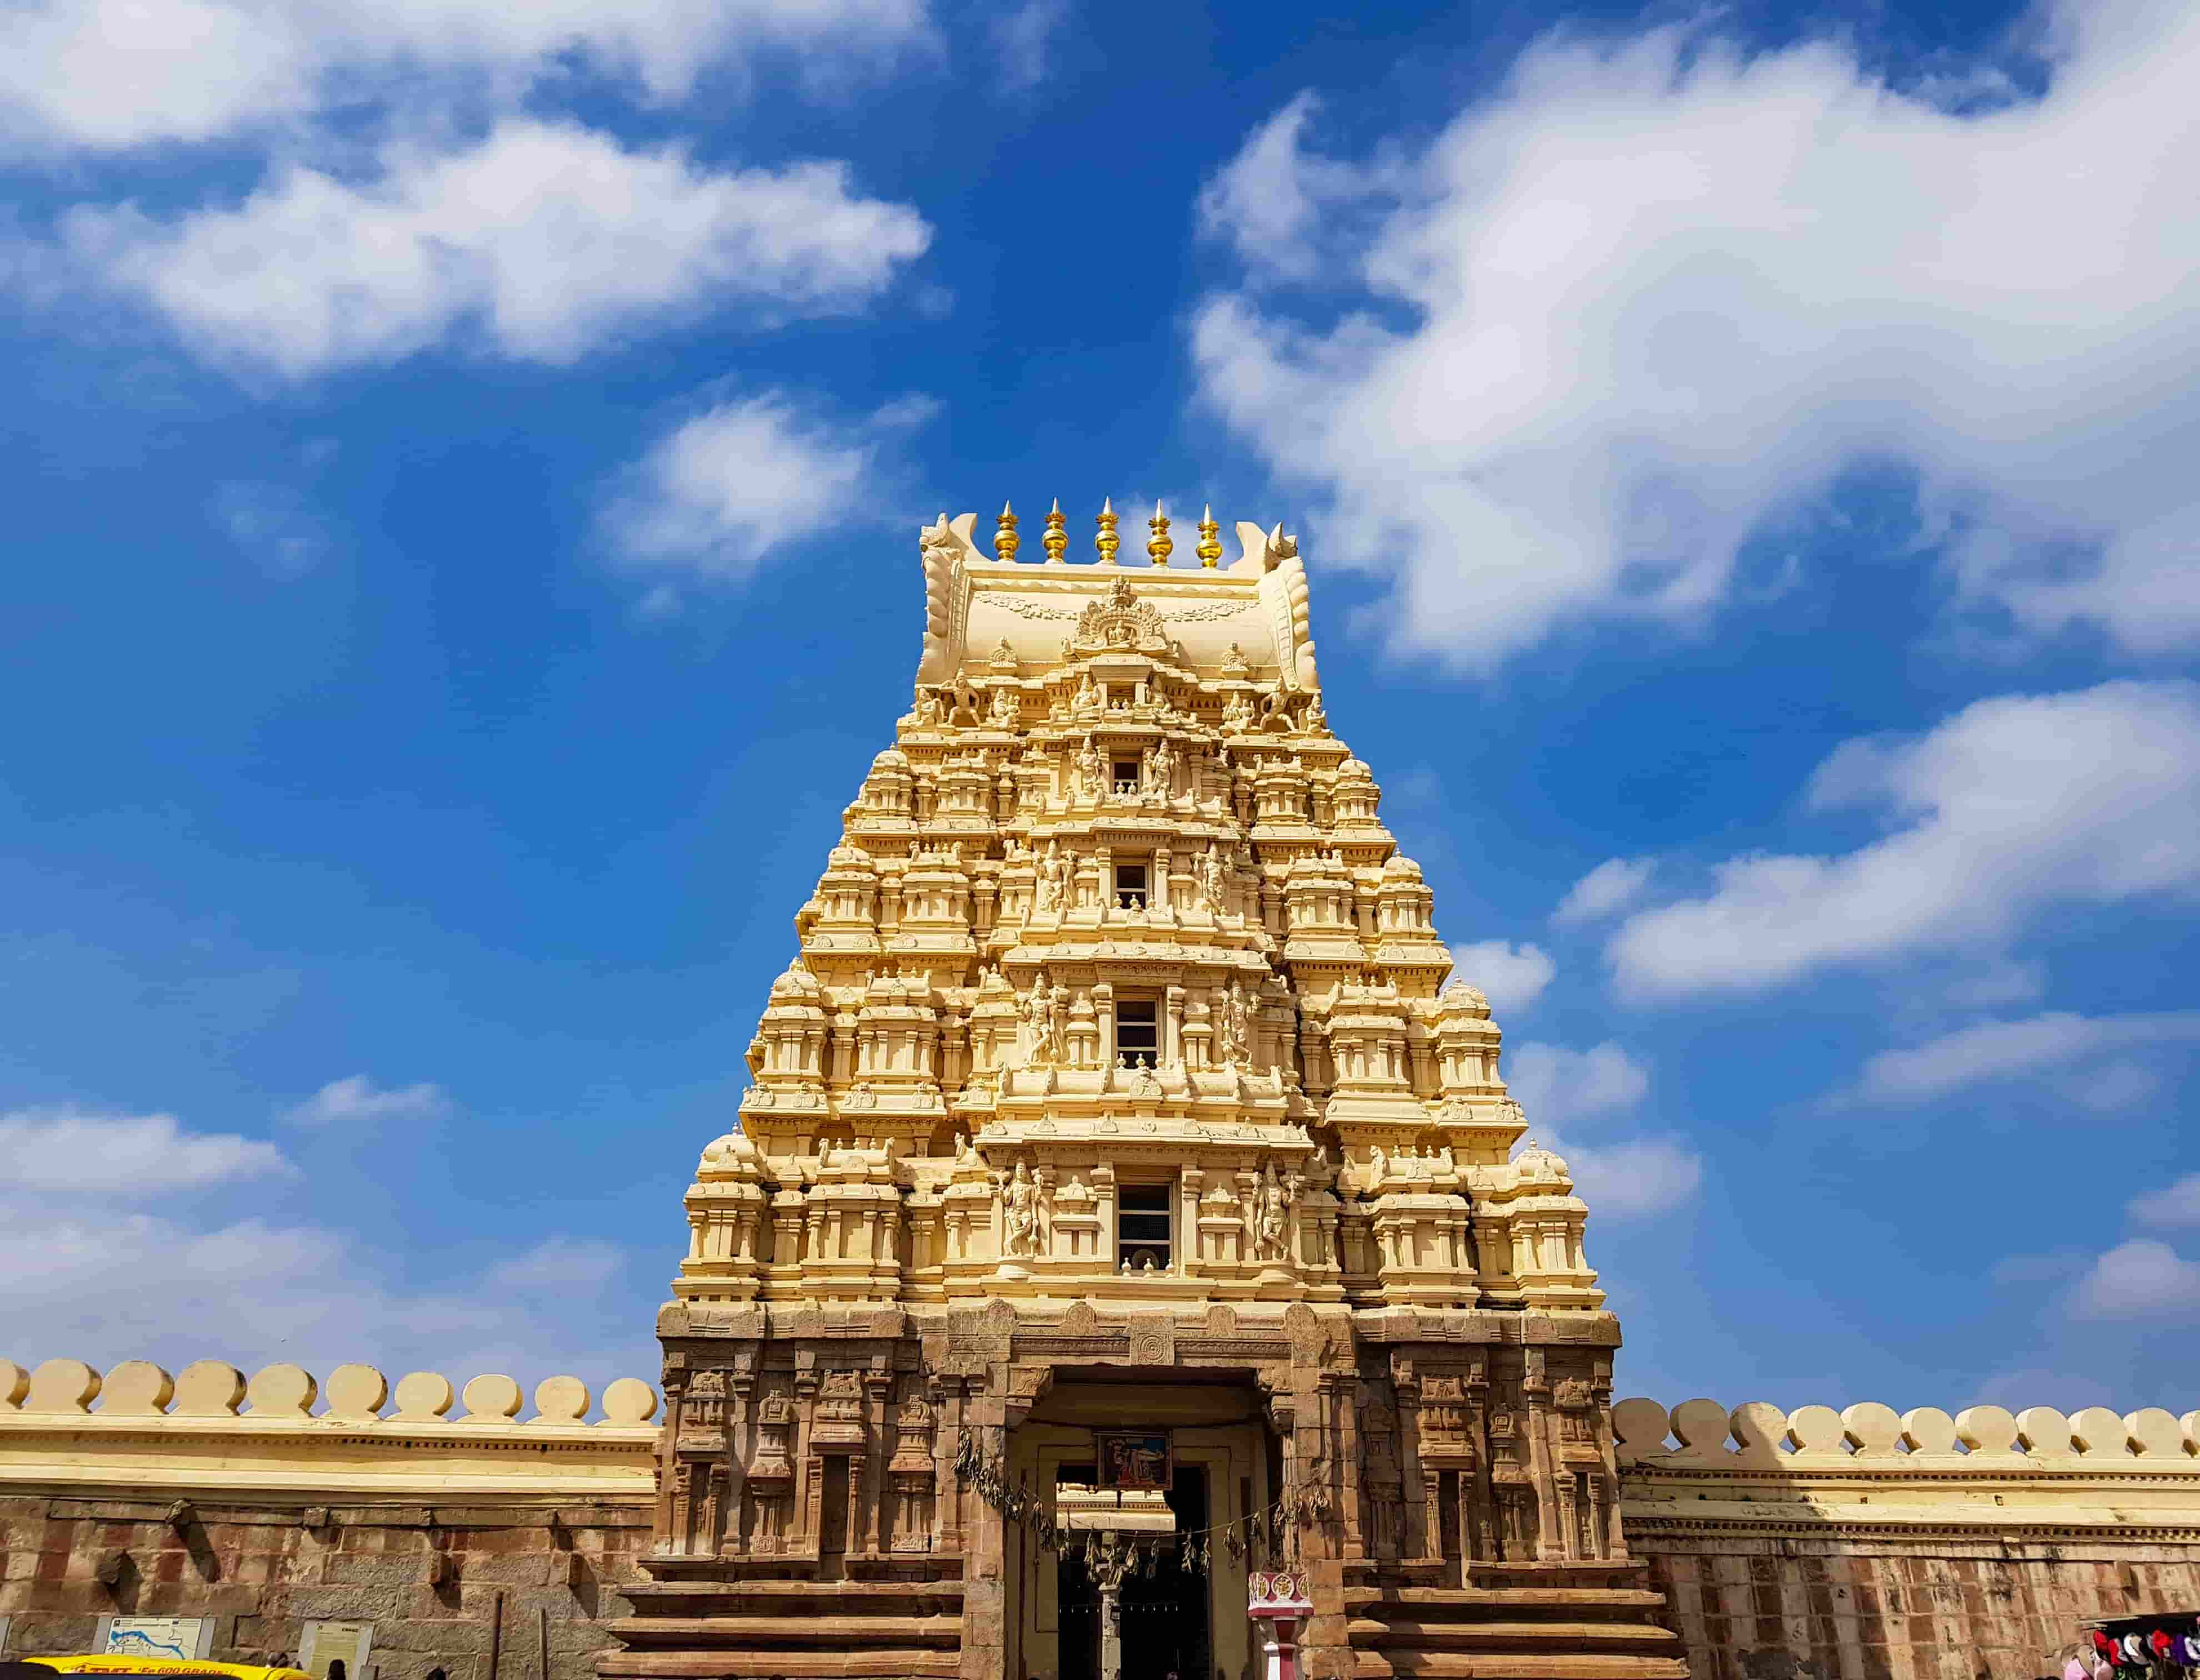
(463, 463)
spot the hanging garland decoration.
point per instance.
(1300, 1507)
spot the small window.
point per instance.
(1137, 1032)
(1130, 886)
(1126, 776)
(1142, 1227)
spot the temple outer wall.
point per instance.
(1861, 1545)
(1839, 1546)
(486, 1547)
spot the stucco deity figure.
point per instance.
(1317, 720)
(1093, 767)
(1273, 1216)
(1035, 1034)
(1213, 876)
(1005, 708)
(1240, 1017)
(1379, 1167)
(1020, 1212)
(1237, 711)
(1053, 1021)
(928, 707)
(1088, 696)
(1058, 876)
(1162, 773)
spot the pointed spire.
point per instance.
(1210, 539)
(1005, 540)
(1057, 535)
(1159, 548)
(1107, 543)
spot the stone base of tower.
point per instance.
(1533, 1622)
(699, 1618)
(873, 1493)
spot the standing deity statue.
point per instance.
(1213, 876)
(1035, 1034)
(1274, 1216)
(1055, 1020)
(1020, 1212)
(1162, 779)
(1241, 1024)
(1047, 890)
(1093, 767)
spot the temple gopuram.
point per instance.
(1127, 1213)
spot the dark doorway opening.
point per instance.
(1164, 1611)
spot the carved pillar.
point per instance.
(671, 1512)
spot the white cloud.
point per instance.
(1511, 976)
(1608, 889)
(2173, 1204)
(563, 1264)
(1559, 1087)
(70, 1151)
(112, 1255)
(356, 1102)
(1638, 1178)
(717, 492)
(2139, 1279)
(2011, 806)
(1560, 361)
(121, 73)
(544, 240)
(2061, 1047)
(274, 526)
(1023, 38)
(111, 1283)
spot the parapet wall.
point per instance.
(486, 1547)
(1866, 1544)
(1861, 1544)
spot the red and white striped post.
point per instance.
(1277, 1602)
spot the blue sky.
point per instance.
(462, 467)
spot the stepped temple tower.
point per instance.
(1126, 1205)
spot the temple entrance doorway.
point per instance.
(1223, 1465)
(1166, 1614)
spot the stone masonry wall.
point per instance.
(1901, 1607)
(486, 1547)
(445, 1586)
(1857, 1545)
(1865, 1545)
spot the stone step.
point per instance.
(836, 1593)
(761, 1632)
(711, 1664)
(1619, 1601)
(1513, 1665)
(1499, 1635)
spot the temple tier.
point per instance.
(1124, 1207)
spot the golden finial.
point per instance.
(1057, 535)
(1108, 542)
(1210, 539)
(1160, 549)
(1005, 540)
